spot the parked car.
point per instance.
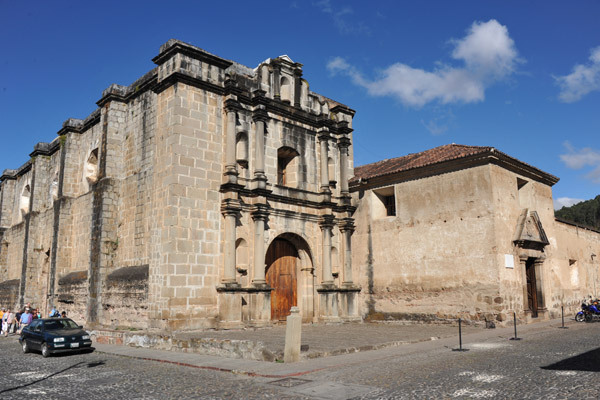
(54, 335)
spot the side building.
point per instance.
(466, 231)
(204, 195)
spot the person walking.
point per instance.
(4, 324)
(26, 319)
(10, 321)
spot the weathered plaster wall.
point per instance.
(436, 257)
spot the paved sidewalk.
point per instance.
(416, 338)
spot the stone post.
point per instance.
(260, 118)
(523, 263)
(293, 336)
(347, 228)
(323, 137)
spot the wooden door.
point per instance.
(281, 276)
(531, 288)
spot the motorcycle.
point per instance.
(589, 312)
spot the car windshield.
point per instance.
(60, 324)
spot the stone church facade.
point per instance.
(204, 195)
(466, 231)
(211, 195)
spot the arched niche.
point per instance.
(241, 149)
(25, 200)
(90, 171)
(285, 89)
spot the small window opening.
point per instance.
(384, 203)
(91, 167)
(285, 158)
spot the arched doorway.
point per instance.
(281, 275)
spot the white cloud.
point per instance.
(583, 80)
(580, 158)
(340, 18)
(488, 54)
(565, 202)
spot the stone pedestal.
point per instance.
(348, 298)
(259, 302)
(328, 303)
(230, 306)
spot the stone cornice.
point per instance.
(45, 149)
(173, 47)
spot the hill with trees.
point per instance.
(586, 213)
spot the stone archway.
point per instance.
(290, 273)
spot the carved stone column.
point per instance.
(344, 145)
(230, 209)
(259, 216)
(348, 291)
(260, 118)
(229, 290)
(259, 294)
(324, 137)
(326, 226)
(538, 264)
(523, 265)
(328, 292)
(231, 172)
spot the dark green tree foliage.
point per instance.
(585, 213)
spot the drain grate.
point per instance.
(289, 382)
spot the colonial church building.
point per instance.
(206, 194)
(211, 195)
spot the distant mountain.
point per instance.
(585, 213)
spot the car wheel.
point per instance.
(25, 347)
(45, 350)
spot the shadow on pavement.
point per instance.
(42, 379)
(588, 361)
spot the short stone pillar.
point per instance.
(293, 336)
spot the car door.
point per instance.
(35, 334)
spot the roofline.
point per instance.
(491, 156)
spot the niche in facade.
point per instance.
(331, 172)
(241, 149)
(287, 167)
(91, 167)
(285, 90)
(53, 192)
(384, 202)
(25, 200)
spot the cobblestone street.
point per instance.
(548, 363)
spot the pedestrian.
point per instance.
(10, 321)
(15, 325)
(4, 325)
(25, 320)
(53, 312)
(63, 314)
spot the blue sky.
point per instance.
(524, 78)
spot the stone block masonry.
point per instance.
(167, 206)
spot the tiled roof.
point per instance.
(436, 155)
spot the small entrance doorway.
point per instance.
(531, 287)
(281, 273)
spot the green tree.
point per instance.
(585, 213)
